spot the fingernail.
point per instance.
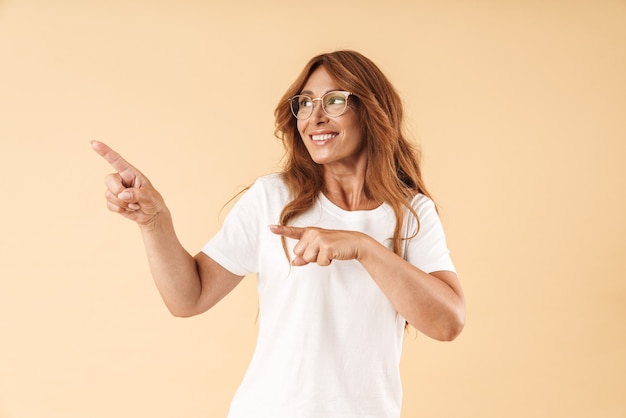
(273, 226)
(124, 196)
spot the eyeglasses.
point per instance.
(334, 103)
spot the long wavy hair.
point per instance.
(393, 173)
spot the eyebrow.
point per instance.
(308, 92)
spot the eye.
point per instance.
(335, 99)
(305, 101)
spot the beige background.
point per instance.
(520, 107)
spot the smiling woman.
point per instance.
(518, 105)
(366, 247)
(331, 133)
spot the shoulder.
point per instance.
(272, 180)
(270, 183)
(423, 204)
(427, 215)
(266, 195)
(269, 188)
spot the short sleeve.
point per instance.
(428, 250)
(235, 246)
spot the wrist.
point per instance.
(365, 247)
(160, 222)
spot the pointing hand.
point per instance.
(321, 246)
(129, 192)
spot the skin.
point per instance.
(188, 285)
(343, 157)
(432, 303)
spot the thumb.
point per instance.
(146, 199)
(126, 195)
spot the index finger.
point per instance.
(117, 162)
(287, 231)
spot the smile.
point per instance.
(324, 137)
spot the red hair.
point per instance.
(393, 173)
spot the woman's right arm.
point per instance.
(188, 285)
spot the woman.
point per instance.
(354, 250)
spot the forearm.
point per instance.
(174, 270)
(188, 286)
(432, 303)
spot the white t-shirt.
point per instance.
(329, 341)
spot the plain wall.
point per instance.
(520, 110)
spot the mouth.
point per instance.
(323, 137)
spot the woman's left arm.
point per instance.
(431, 302)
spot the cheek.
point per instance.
(301, 125)
(357, 131)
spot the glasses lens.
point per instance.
(301, 106)
(335, 103)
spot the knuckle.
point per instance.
(113, 183)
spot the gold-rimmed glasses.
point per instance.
(334, 103)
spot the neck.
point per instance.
(346, 188)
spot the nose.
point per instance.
(318, 114)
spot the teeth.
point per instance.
(322, 137)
